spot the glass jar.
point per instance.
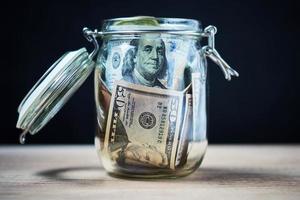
(150, 93)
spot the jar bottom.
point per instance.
(194, 159)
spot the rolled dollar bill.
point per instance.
(143, 125)
(199, 106)
(138, 20)
(178, 51)
(186, 131)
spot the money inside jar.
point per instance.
(146, 93)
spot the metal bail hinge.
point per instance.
(213, 54)
(91, 37)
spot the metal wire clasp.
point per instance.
(210, 51)
(91, 37)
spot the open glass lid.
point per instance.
(55, 87)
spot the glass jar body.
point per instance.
(150, 92)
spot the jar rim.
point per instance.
(142, 23)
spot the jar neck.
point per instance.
(141, 23)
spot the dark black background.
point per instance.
(258, 38)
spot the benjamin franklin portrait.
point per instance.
(146, 63)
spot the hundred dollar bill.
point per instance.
(116, 50)
(143, 125)
(186, 131)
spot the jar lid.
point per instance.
(53, 90)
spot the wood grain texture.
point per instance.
(74, 172)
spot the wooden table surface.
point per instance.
(74, 172)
